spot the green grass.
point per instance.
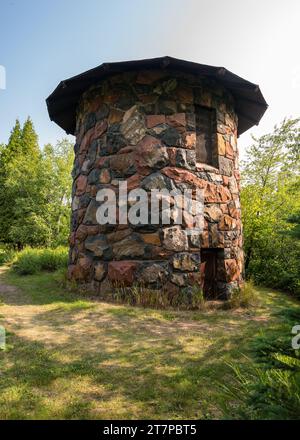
(6, 254)
(270, 386)
(74, 358)
(30, 261)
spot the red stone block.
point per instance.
(232, 270)
(190, 140)
(153, 120)
(86, 141)
(234, 212)
(100, 128)
(229, 151)
(122, 272)
(81, 271)
(182, 175)
(134, 181)
(227, 223)
(223, 194)
(225, 180)
(176, 120)
(81, 183)
(237, 175)
(149, 153)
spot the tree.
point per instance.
(8, 153)
(270, 195)
(14, 146)
(295, 221)
(29, 140)
(35, 189)
(58, 163)
(21, 166)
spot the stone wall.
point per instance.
(140, 126)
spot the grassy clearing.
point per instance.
(72, 358)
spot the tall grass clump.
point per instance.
(245, 296)
(31, 261)
(143, 296)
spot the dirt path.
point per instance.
(72, 357)
(7, 291)
(86, 327)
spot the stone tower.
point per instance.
(157, 124)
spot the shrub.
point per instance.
(6, 255)
(30, 261)
(279, 267)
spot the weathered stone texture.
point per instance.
(141, 127)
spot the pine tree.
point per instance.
(35, 189)
(14, 145)
(7, 154)
(29, 140)
(21, 219)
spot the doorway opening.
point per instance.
(212, 271)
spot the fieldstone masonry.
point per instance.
(141, 126)
(157, 128)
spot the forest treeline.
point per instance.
(270, 199)
(35, 199)
(35, 190)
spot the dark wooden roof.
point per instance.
(250, 104)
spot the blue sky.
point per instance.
(43, 42)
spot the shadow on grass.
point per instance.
(124, 371)
(39, 289)
(83, 359)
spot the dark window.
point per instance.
(206, 148)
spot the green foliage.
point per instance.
(269, 394)
(7, 255)
(33, 230)
(295, 221)
(270, 199)
(35, 188)
(14, 146)
(270, 389)
(61, 277)
(57, 165)
(31, 261)
(29, 140)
